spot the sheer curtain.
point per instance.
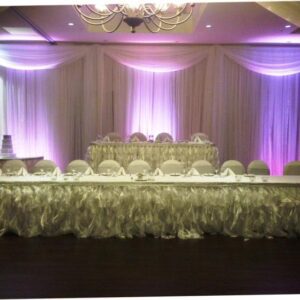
(154, 102)
(44, 112)
(241, 96)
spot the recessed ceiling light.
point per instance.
(208, 26)
(288, 26)
(71, 24)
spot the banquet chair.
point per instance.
(172, 166)
(13, 165)
(164, 137)
(44, 165)
(78, 165)
(203, 167)
(258, 167)
(235, 166)
(203, 137)
(107, 166)
(137, 137)
(292, 168)
(113, 137)
(138, 166)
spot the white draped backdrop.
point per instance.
(55, 100)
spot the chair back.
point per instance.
(113, 137)
(258, 167)
(78, 166)
(44, 165)
(203, 167)
(292, 168)
(13, 165)
(138, 166)
(164, 137)
(172, 166)
(199, 135)
(108, 166)
(235, 166)
(137, 137)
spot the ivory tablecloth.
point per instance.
(154, 153)
(184, 207)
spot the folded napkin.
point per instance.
(22, 172)
(135, 139)
(56, 172)
(158, 172)
(121, 172)
(89, 171)
(198, 140)
(167, 140)
(192, 172)
(106, 139)
(227, 172)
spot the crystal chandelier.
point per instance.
(156, 17)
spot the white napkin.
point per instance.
(22, 172)
(121, 172)
(56, 172)
(192, 172)
(158, 172)
(89, 171)
(167, 140)
(227, 172)
(198, 140)
(135, 139)
(106, 139)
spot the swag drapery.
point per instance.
(57, 99)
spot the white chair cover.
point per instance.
(203, 167)
(235, 166)
(258, 167)
(112, 137)
(292, 168)
(137, 137)
(172, 166)
(14, 165)
(44, 165)
(164, 137)
(78, 166)
(202, 136)
(138, 166)
(108, 166)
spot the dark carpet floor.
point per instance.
(69, 267)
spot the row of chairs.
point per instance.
(256, 167)
(162, 137)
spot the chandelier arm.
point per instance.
(89, 7)
(177, 22)
(149, 10)
(113, 30)
(120, 10)
(161, 26)
(150, 29)
(88, 17)
(178, 13)
(98, 21)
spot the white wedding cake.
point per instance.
(7, 147)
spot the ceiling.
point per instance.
(231, 23)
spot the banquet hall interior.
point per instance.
(149, 149)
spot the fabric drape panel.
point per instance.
(44, 112)
(235, 94)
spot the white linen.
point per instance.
(186, 207)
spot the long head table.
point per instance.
(184, 207)
(154, 153)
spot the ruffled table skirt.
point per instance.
(154, 153)
(138, 209)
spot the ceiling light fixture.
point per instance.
(288, 26)
(70, 24)
(208, 26)
(156, 17)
